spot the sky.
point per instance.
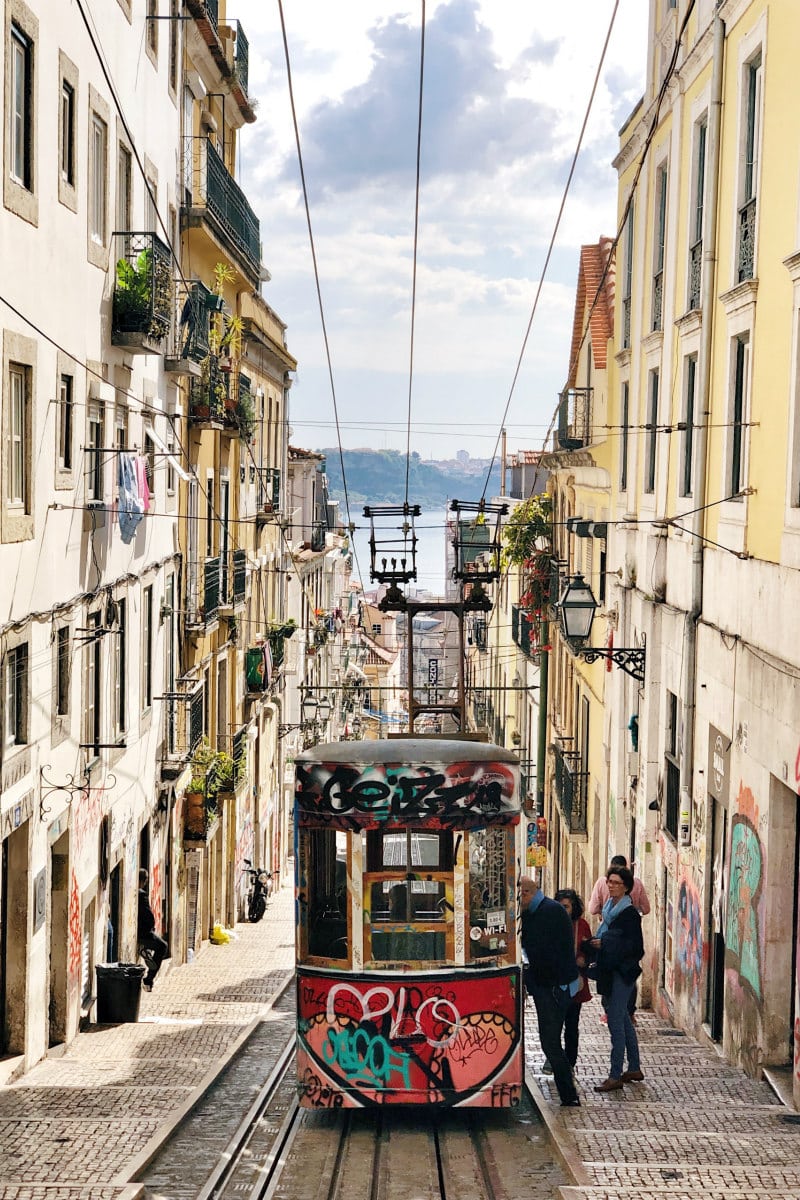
(506, 85)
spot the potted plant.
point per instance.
(199, 799)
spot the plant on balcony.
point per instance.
(277, 633)
(143, 295)
(209, 393)
(528, 544)
(246, 416)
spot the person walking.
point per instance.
(146, 935)
(569, 899)
(640, 901)
(619, 949)
(551, 977)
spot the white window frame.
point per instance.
(16, 685)
(21, 107)
(739, 373)
(95, 467)
(98, 176)
(66, 420)
(124, 200)
(18, 475)
(148, 659)
(691, 378)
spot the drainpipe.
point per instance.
(709, 287)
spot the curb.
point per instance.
(561, 1139)
(134, 1190)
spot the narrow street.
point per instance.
(87, 1125)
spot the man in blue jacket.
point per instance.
(551, 977)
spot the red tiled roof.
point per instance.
(601, 323)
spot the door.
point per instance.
(715, 992)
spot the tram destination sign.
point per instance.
(446, 795)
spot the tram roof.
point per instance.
(408, 750)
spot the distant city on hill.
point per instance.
(379, 477)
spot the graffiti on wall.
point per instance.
(689, 950)
(746, 873)
(156, 894)
(457, 794)
(381, 1041)
(75, 932)
(87, 811)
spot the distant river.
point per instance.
(430, 527)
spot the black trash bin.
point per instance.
(119, 991)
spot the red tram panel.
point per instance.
(409, 984)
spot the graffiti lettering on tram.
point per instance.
(318, 1093)
(385, 1042)
(376, 794)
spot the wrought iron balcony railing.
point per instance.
(695, 274)
(212, 188)
(239, 576)
(571, 784)
(202, 591)
(269, 490)
(208, 393)
(241, 61)
(658, 299)
(189, 340)
(575, 418)
(143, 292)
(747, 240)
(184, 716)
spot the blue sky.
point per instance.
(506, 86)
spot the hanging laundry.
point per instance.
(130, 506)
(141, 480)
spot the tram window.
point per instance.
(407, 900)
(325, 891)
(409, 945)
(391, 850)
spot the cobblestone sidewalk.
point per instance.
(696, 1127)
(71, 1128)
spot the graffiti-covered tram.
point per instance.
(409, 984)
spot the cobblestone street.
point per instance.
(77, 1125)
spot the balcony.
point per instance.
(202, 593)
(521, 630)
(695, 274)
(213, 195)
(241, 58)
(571, 785)
(184, 715)
(269, 493)
(318, 532)
(143, 293)
(747, 240)
(189, 336)
(208, 395)
(575, 418)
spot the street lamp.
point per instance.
(576, 608)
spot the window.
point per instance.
(224, 505)
(98, 153)
(17, 481)
(67, 133)
(624, 437)
(121, 669)
(406, 882)
(92, 703)
(147, 647)
(737, 471)
(627, 279)
(376, 629)
(121, 427)
(174, 33)
(750, 164)
(209, 516)
(124, 188)
(696, 231)
(651, 427)
(151, 204)
(687, 465)
(94, 454)
(65, 418)
(20, 106)
(672, 772)
(171, 464)
(15, 697)
(152, 26)
(63, 670)
(660, 241)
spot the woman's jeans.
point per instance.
(621, 1028)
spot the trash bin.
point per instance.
(119, 991)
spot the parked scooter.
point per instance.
(259, 893)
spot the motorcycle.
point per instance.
(259, 891)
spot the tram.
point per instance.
(409, 980)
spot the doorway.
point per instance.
(14, 925)
(58, 941)
(715, 989)
(114, 930)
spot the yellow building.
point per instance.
(704, 543)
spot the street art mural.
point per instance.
(444, 796)
(75, 930)
(746, 870)
(382, 1041)
(689, 950)
(156, 895)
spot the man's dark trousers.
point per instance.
(551, 1008)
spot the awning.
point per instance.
(164, 448)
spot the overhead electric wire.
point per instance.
(416, 243)
(301, 166)
(554, 234)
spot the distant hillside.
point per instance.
(379, 477)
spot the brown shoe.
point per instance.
(632, 1076)
(609, 1085)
